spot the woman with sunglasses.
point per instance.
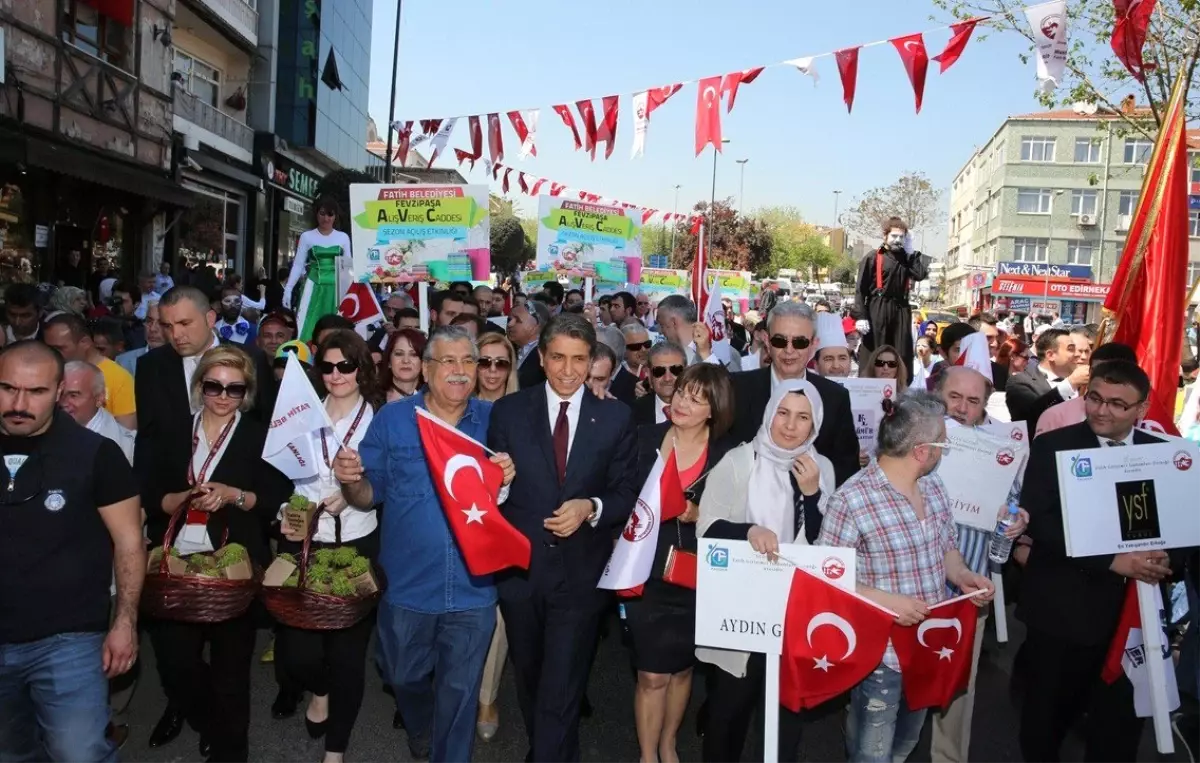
(661, 621)
(332, 664)
(214, 472)
(770, 491)
(401, 372)
(884, 363)
(323, 262)
(496, 361)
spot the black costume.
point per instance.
(884, 280)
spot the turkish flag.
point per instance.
(525, 131)
(404, 139)
(832, 640)
(1127, 654)
(468, 484)
(916, 62)
(607, 131)
(960, 35)
(708, 114)
(1129, 34)
(568, 119)
(847, 61)
(361, 307)
(537, 186)
(588, 113)
(476, 140)
(658, 96)
(521, 182)
(495, 139)
(935, 655)
(731, 81)
(660, 500)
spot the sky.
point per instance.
(461, 57)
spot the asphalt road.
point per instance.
(609, 735)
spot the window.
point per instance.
(1194, 223)
(96, 34)
(1194, 159)
(1137, 151)
(991, 254)
(1193, 274)
(1034, 201)
(998, 155)
(1079, 252)
(1030, 249)
(1128, 202)
(1083, 202)
(1087, 150)
(995, 205)
(1035, 149)
(197, 77)
(980, 215)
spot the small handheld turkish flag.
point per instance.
(832, 640)
(935, 655)
(361, 307)
(468, 483)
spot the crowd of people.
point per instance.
(107, 443)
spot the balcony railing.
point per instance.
(212, 119)
(239, 14)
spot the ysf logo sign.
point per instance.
(718, 557)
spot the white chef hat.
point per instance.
(975, 355)
(829, 332)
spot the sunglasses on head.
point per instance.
(660, 371)
(235, 391)
(501, 364)
(779, 342)
(635, 346)
(881, 363)
(344, 367)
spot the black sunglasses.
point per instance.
(881, 363)
(660, 371)
(210, 388)
(779, 342)
(502, 364)
(344, 367)
(635, 346)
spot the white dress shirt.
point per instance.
(104, 424)
(660, 416)
(1063, 387)
(357, 522)
(195, 538)
(553, 403)
(190, 364)
(1126, 440)
(775, 380)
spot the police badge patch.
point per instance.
(55, 500)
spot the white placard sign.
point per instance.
(1130, 499)
(978, 470)
(741, 597)
(866, 397)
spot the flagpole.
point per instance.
(1152, 648)
(392, 108)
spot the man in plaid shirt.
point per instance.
(896, 514)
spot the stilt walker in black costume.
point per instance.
(884, 281)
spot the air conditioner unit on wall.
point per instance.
(1087, 221)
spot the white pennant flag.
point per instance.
(298, 414)
(531, 124)
(641, 121)
(714, 318)
(1049, 24)
(633, 556)
(807, 66)
(442, 137)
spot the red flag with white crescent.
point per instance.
(588, 114)
(730, 83)
(607, 131)
(404, 136)
(935, 655)
(526, 128)
(495, 139)
(1129, 34)
(916, 62)
(708, 114)
(960, 35)
(361, 307)
(847, 61)
(658, 96)
(568, 119)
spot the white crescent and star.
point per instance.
(456, 462)
(912, 46)
(839, 622)
(710, 95)
(474, 514)
(935, 623)
(353, 299)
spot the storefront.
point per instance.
(217, 230)
(1074, 301)
(290, 191)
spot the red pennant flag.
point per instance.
(588, 114)
(730, 83)
(476, 135)
(647, 214)
(468, 483)
(569, 120)
(607, 131)
(537, 186)
(464, 156)
(496, 170)
(405, 136)
(591, 198)
(832, 640)
(521, 182)
(658, 96)
(708, 114)
(504, 184)
(495, 139)
(430, 126)
(1129, 34)
(960, 35)
(556, 189)
(522, 130)
(847, 61)
(1146, 304)
(916, 62)
(935, 655)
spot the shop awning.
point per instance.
(101, 170)
(215, 165)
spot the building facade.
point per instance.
(1048, 198)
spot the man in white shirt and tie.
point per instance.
(83, 399)
(666, 364)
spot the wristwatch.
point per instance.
(240, 501)
(595, 511)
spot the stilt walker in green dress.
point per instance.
(323, 261)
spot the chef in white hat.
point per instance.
(833, 354)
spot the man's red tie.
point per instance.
(562, 434)
(667, 412)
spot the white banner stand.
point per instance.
(423, 305)
(589, 287)
(771, 710)
(1152, 646)
(998, 609)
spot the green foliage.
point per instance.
(299, 502)
(738, 242)
(341, 585)
(508, 245)
(344, 556)
(359, 566)
(289, 558)
(845, 270)
(912, 198)
(319, 573)
(230, 555)
(795, 244)
(323, 557)
(337, 185)
(292, 581)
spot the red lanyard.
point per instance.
(362, 408)
(212, 451)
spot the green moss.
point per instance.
(323, 557)
(289, 558)
(320, 573)
(344, 556)
(292, 581)
(359, 566)
(299, 502)
(341, 585)
(230, 555)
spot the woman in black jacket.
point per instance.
(216, 474)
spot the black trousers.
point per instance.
(214, 696)
(731, 705)
(1064, 681)
(551, 641)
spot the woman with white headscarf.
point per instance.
(770, 491)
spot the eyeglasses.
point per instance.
(659, 371)
(945, 446)
(500, 364)
(779, 342)
(344, 367)
(881, 363)
(635, 346)
(464, 362)
(210, 388)
(1117, 404)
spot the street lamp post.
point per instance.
(674, 222)
(1049, 242)
(837, 196)
(742, 187)
(712, 201)
(387, 172)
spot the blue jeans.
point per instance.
(434, 664)
(880, 727)
(54, 700)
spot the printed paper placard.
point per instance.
(978, 470)
(576, 238)
(406, 233)
(659, 283)
(534, 280)
(866, 401)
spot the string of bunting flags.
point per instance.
(593, 127)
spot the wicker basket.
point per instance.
(191, 598)
(304, 609)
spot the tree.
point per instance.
(795, 244)
(530, 225)
(508, 245)
(911, 198)
(845, 270)
(1093, 74)
(738, 243)
(337, 186)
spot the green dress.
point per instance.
(321, 295)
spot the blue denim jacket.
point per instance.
(418, 553)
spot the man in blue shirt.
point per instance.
(436, 620)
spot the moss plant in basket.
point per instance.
(359, 566)
(341, 585)
(297, 513)
(344, 556)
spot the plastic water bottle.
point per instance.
(1001, 543)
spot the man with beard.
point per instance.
(884, 282)
(231, 326)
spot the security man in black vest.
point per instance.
(70, 507)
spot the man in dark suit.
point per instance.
(575, 459)
(635, 359)
(988, 325)
(1054, 379)
(667, 362)
(525, 322)
(1071, 605)
(792, 329)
